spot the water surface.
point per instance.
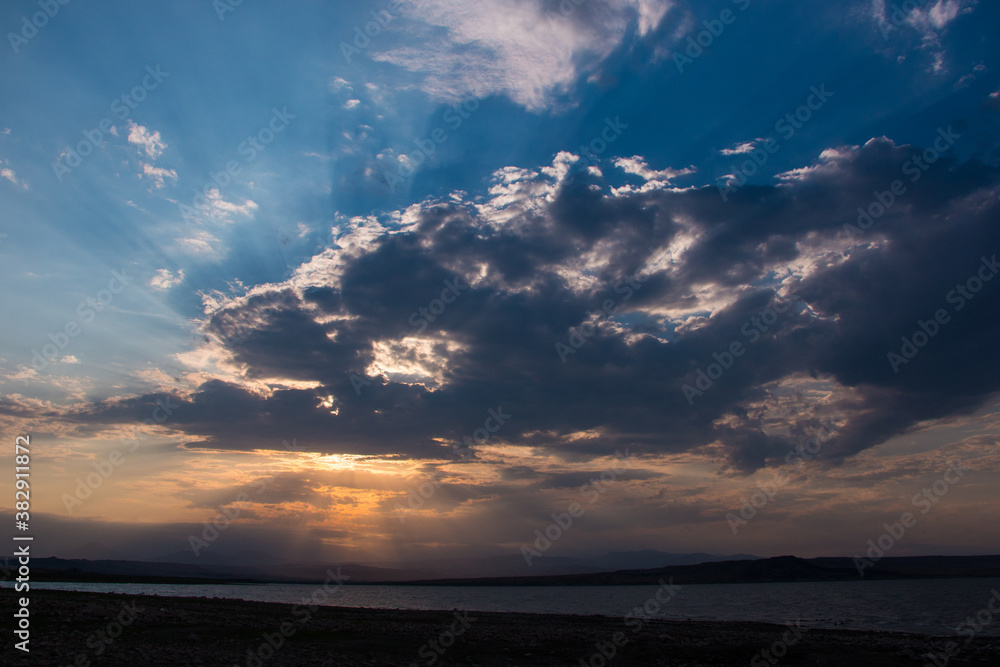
(932, 606)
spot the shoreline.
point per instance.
(76, 628)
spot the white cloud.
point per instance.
(943, 13)
(10, 175)
(350, 104)
(158, 174)
(203, 244)
(164, 279)
(150, 142)
(830, 160)
(993, 100)
(655, 178)
(740, 149)
(219, 210)
(520, 48)
(929, 20)
(965, 80)
(412, 360)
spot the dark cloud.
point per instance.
(577, 479)
(535, 274)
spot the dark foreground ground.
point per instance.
(77, 628)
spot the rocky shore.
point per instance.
(83, 629)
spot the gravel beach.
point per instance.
(82, 629)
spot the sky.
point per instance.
(383, 281)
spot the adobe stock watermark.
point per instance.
(228, 514)
(915, 168)
(357, 382)
(226, 517)
(786, 126)
(704, 39)
(926, 330)
(30, 27)
(301, 613)
(271, 468)
(969, 628)
(418, 495)
(236, 331)
(899, 16)
(566, 9)
(407, 164)
(433, 650)
(563, 522)
(249, 149)
(798, 456)
(770, 656)
(363, 37)
(607, 650)
(420, 318)
(223, 7)
(86, 312)
(753, 329)
(121, 107)
(482, 434)
(100, 640)
(925, 500)
(578, 335)
(591, 151)
(104, 469)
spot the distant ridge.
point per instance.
(766, 570)
(124, 571)
(259, 567)
(755, 570)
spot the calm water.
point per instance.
(933, 606)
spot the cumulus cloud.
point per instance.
(343, 350)
(148, 142)
(636, 165)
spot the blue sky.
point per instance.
(314, 141)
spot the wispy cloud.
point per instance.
(164, 279)
(10, 175)
(930, 21)
(524, 49)
(158, 175)
(741, 148)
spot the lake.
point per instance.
(930, 606)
